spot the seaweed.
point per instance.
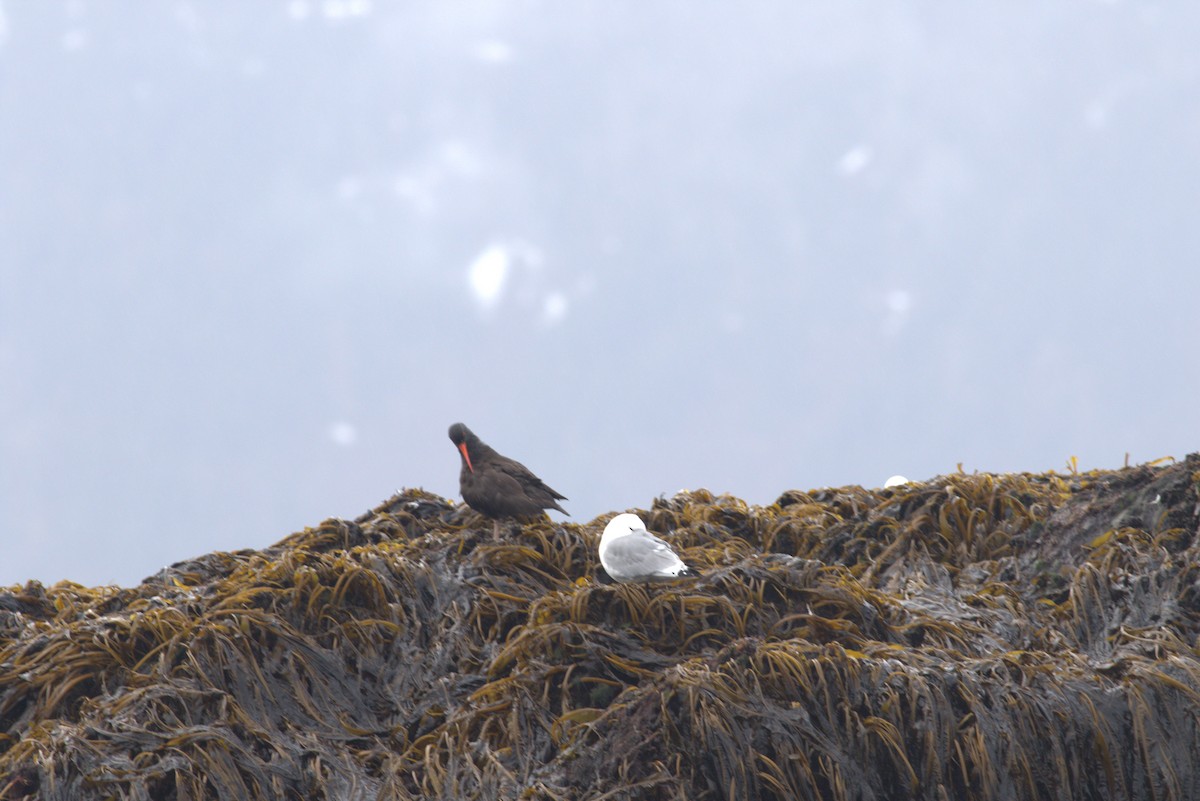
(986, 636)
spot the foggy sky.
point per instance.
(256, 258)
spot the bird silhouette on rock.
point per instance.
(497, 486)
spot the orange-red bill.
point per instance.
(462, 446)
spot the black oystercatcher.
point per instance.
(496, 486)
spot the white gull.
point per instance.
(630, 553)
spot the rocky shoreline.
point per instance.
(986, 636)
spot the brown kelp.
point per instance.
(1012, 636)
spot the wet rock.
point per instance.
(1014, 636)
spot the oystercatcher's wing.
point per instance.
(533, 486)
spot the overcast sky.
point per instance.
(256, 257)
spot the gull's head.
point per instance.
(622, 525)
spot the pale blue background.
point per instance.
(750, 248)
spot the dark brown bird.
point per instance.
(496, 486)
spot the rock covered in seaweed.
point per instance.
(969, 637)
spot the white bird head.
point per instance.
(621, 526)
